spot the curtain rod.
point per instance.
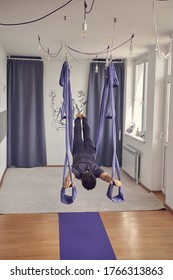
(40, 59)
(104, 61)
(24, 58)
(98, 61)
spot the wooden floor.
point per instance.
(134, 235)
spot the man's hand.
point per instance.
(67, 182)
(107, 178)
(117, 183)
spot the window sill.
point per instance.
(138, 138)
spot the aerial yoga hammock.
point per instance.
(66, 113)
(108, 111)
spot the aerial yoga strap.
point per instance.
(66, 113)
(108, 110)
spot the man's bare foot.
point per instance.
(80, 116)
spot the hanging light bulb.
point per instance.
(84, 29)
(39, 45)
(84, 24)
(131, 45)
(131, 49)
(48, 57)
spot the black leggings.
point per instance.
(84, 145)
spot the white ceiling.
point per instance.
(133, 16)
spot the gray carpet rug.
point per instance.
(37, 190)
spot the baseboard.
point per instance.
(160, 195)
(2, 178)
(54, 165)
(145, 188)
(168, 208)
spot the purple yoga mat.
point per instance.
(83, 237)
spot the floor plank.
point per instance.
(140, 235)
(29, 236)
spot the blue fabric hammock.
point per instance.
(66, 113)
(107, 110)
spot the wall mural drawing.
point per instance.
(78, 106)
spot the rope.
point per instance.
(159, 52)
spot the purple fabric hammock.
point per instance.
(109, 112)
(66, 113)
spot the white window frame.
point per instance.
(142, 129)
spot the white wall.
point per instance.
(151, 150)
(55, 137)
(169, 173)
(3, 107)
(155, 117)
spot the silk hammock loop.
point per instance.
(66, 113)
(107, 110)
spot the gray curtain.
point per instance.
(95, 91)
(26, 146)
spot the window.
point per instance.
(140, 98)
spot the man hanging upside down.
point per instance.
(84, 165)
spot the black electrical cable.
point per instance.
(103, 51)
(35, 20)
(85, 5)
(92, 53)
(130, 39)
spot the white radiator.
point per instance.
(131, 162)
